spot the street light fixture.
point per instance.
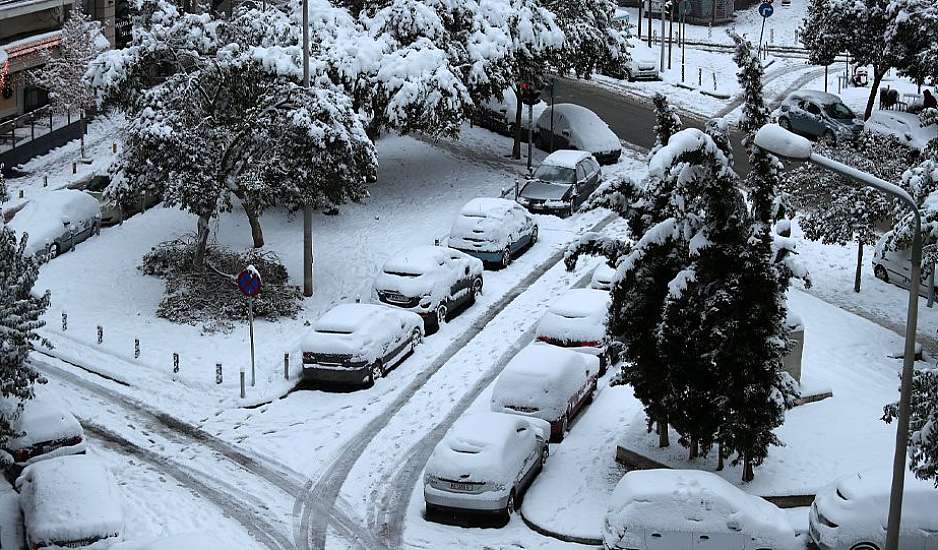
(778, 141)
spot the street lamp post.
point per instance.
(307, 209)
(778, 141)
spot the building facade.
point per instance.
(699, 12)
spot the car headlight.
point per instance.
(522, 200)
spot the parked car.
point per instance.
(57, 221)
(70, 502)
(602, 277)
(493, 230)
(359, 343)
(690, 510)
(499, 115)
(906, 127)
(577, 321)
(643, 62)
(546, 382)
(484, 464)
(818, 114)
(894, 266)
(45, 430)
(851, 514)
(111, 213)
(576, 127)
(432, 281)
(562, 182)
(185, 541)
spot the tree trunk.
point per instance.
(694, 449)
(878, 75)
(519, 107)
(256, 232)
(663, 440)
(720, 464)
(198, 259)
(748, 474)
(856, 279)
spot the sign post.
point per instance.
(249, 282)
(765, 10)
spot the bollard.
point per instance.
(74, 167)
(218, 373)
(699, 76)
(771, 36)
(516, 189)
(21, 193)
(113, 147)
(242, 382)
(436, 242)
(714, 82)
(136, 348)
(175, 363)
(286, 366)
(100, 334)
(45, 181)
(64, 321)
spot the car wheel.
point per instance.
(544, 454)
(533, 236)
(476, 290)
(864, 546)
(784, 123)
(53, 250)
(415, 339)
(506, 258)
(441, 312)
(564, 423)
(572, 211)
(512, 505)
(376, 372)
(881, 273)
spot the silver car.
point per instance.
(894, 266)
(493, 230)
(817, 114)
(484, 464)
(56, 221)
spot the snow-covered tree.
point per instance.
(923, 424)
(4, 193)
(913, 31)
(229, 121)
(20, 318)
(63, 69)
(922, 183)
(667, 121)
(594, 40)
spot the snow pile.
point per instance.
(577, 316)
(907, 127)
(541, 380)
(43, 218)
(587, 131)
(690, 502)
(69, 499)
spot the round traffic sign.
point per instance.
(765, 10)
(249, 282)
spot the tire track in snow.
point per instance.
(766, 78)
(265, 470)
(326, 490)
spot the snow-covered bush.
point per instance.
(923, 424)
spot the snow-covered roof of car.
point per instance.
(682, 500)
(42, 216)
(69, 498)
(42, 419)
(581, 302)
(348, 317)
(544, 377)
(420, 259)
(866, 496)
(604, 273)
(901, 121)
(566, 158)
(488, 206)
(185, 541)
(823, 98)
(579, 315)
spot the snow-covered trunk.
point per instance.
(198, 258)
(720, 464)
(748, 473)
(878, 73)
(856, 280)
(663, 440)
(519, 107)
(251, 211)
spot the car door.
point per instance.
(719, 541)
(659, 539)
(514, 226)
(594, 174)
(581, 190)
(528, 450)
(460, 267)
(898, 265)
(396, 340)
(814, 120)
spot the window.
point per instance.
(812, 108)
(581, 171)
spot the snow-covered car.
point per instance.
(818, 114)
(576, 127)
(70, 502)
(44, 429)
(906, 127)
(577, 321)
(690, 510)
(546, 382)
(643, 64)
(110, 212)
(602, 277)
(184, 541)
(851, 514)
(493, 230)
(359, 343)
(894, 266)
(499, 116)
(562, 182)
(484, 464)
(431, 281)
(57, 221)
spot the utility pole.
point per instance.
(649, 23)
(641, 13)
(670, 32)
(307, 208)
(662, 35)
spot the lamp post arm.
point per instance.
(866, 179)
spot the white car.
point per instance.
(576, 127)
(56, 221)
(577, 321)
(431, 281)
(484, 464)
(45, 429)
(185, 541)
(643, 64)
(70, 502)
(894, 266)
(691, 510)
(499, 116)
(852, 513)
(907, 127)
(359, 343)
(493, 230)
(546, 382)
(602, 277)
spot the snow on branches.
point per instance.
(923, 424)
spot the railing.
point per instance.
(16, 132)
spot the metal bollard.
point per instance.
(100, 334)
(286, 366)
(136, 348)
(113, 147)
(64, 321)
(242, 382)
(175, 363)
(45, 181)
(714, 82)
(699, 76)
(21, 193)
(516, 189)
(218, 377)
(74, 167)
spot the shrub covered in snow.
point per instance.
(923, 424)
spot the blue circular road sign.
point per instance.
(249, 281)
(766, 10)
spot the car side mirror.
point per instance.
(467, 270)
(908, 137)
(733, 525)
(565, 133)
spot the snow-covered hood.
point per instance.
(474, 228)
(42, 420)
(357, 346)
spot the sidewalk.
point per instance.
(824, 440)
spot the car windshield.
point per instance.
(544, 191)
(555, 174)
(839, 111)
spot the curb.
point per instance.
(559, 536)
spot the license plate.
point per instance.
(395, 298)
(461, 486)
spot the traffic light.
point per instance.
(529, 94)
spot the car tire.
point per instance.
(572, 211)
(881, 273)
(505, 260)
(864, 546)
(441, 313)
(544, 455)
(375, 372)
(415, 339)
(512, 505)
(564, 424)
(784, 123)
(54, 251)
(533, 237)
(476, 290)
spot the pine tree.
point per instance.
(923, 424)
(667, 121)
(922, 183)
(20, 318)
(594, 40)
(4, 193)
